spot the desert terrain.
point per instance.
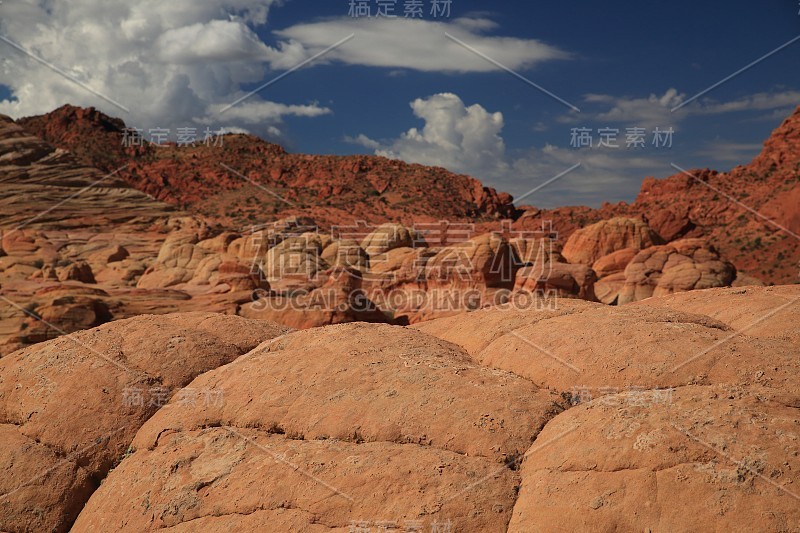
(360, 344)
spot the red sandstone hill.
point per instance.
(751, 214)
(332, 189)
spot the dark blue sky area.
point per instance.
(628, 49)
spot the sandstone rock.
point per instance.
(192, 227)
(29, 246)
(348, 404)
(240, 277)
(76, 402)
(179, 260)
(62, 309)
(608, 288)
(411, 368)
(296, 259)
(533, 251)
(254, 246)
(566, 280)
(388, 236)
(676, 207)
(475, 331)
(337, 189)
(218, 244)
(345, 253)
(602, 349)
(399, 268)
(679, 266)
(339, 299)
(248, 248)
(395, 421)
(268, 235)
(207, 270)
(44, 187)
(16, 268)
(671, 224)
(397, 283)
(700, 458)
(610, 270)
(24, 505)
(47, 272)
(80, 271)
(486, 260)
(614, 263)
(294, 224)
(175, 264)
(589, 244)
(754, 311)
(743, 280)
(285, 484)
(106, 256)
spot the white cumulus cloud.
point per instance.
(171, 64)
(182, 62)
(457, 137)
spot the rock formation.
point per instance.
(578, 416)
(680, 266)
(70, 407)
(330, 427)
(567, 369)
(589, 244)
(363, 188)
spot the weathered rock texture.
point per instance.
(328, 427)
(589, 244)
(571, 416)
(680, 266)
(70, 407)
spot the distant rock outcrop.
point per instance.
(676, 267)
(589, 244)
(750, 214)
(366, 188)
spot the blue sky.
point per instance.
(624, 64)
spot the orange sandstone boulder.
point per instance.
(589, 244)
(601, 349)
(610, 270)
(753, 311)
(564, 279)
(714, 458)
(390, 236)
(71, 406)
(680, 266)
(332, 426)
